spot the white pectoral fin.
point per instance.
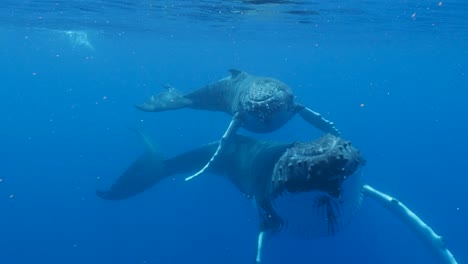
(319, 121)
(425, 232)
(233, 127)
(260, 241)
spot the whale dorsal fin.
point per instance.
(143, 173)
(150, 148)
(235, 72)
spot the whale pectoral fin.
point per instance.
(232, 128)
(318, 121)
(168, 100)
(262, 235)
(270, 222)
(424, 232)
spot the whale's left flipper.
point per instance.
(235, 124)
(318, 121)
(425, 232)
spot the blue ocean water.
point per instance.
(392, 76)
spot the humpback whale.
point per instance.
(256, 103)
(321, 178)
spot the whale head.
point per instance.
(316, 186)
(266, 105)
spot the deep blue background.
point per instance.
(400, 96)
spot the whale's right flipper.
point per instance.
(168, 100)
(425, 232)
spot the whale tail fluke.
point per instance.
(168, 100)
(143, 173)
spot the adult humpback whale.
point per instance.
(321, 178)
(259, 104)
